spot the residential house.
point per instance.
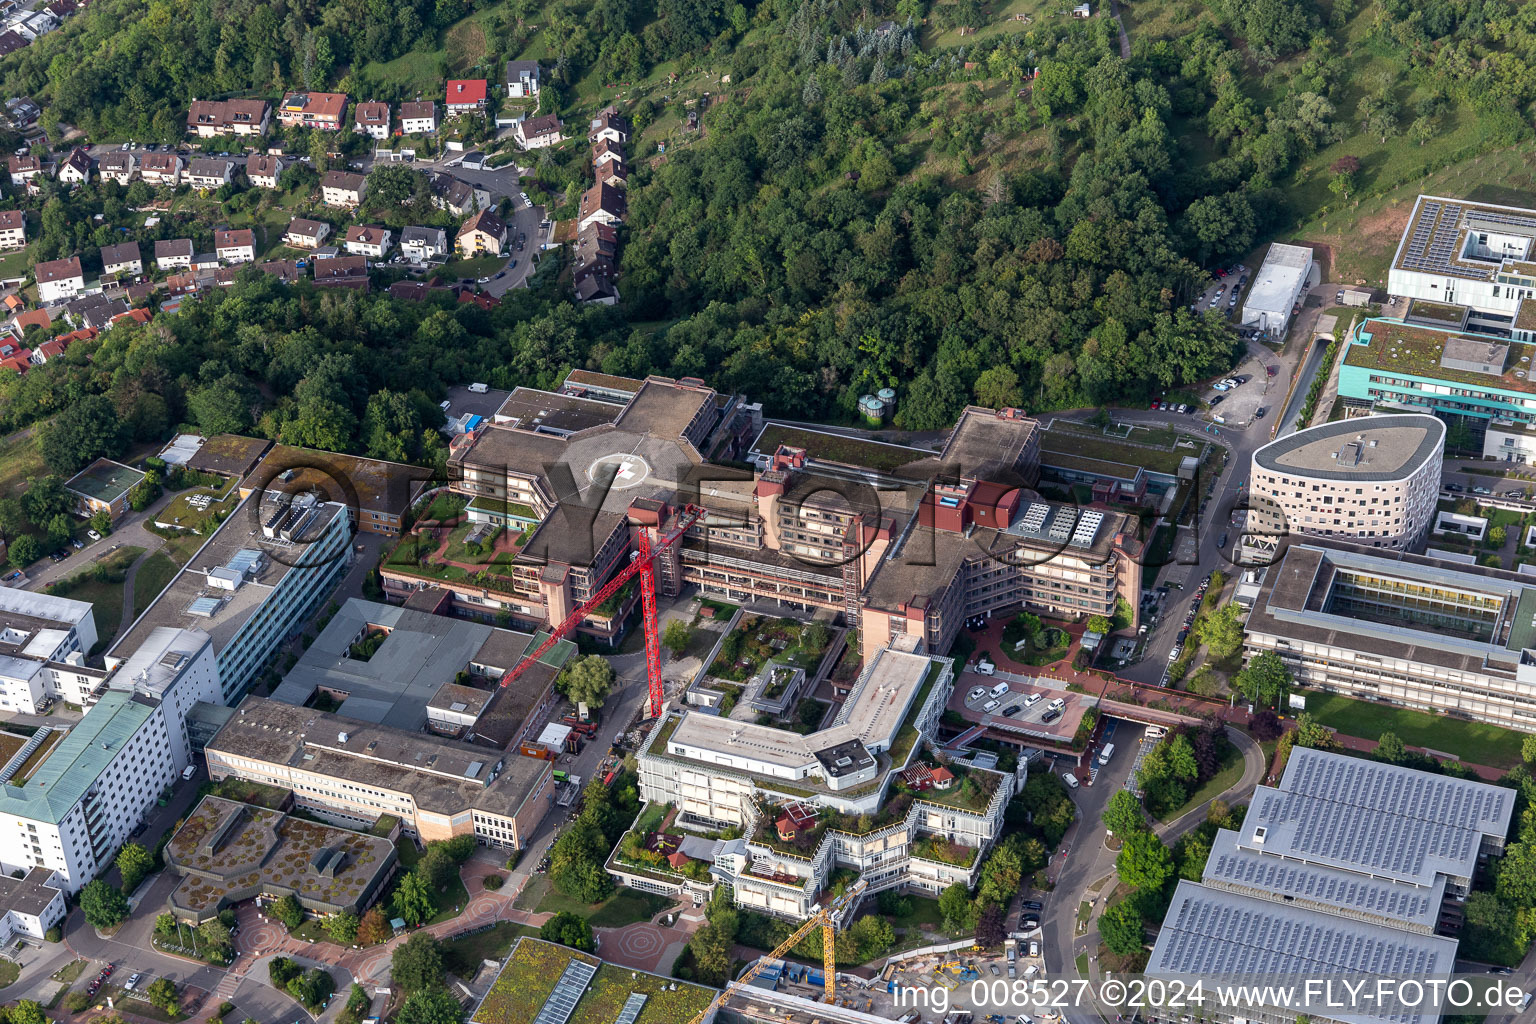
(14, 356)
(22, 112)
(342, 272)
(123, 258)
(422, 244)
(610, 125)
(62, 9)
(466, 96)
(59, 280)
(318, 110)
(537, 132)
(161, 169)
(368, 240)
(482, 233)
(103, 486)
(306, 234)
(38, 23)
(177, 252)
(342, 188)
(263, 169)
(613, 174)
(53, 348)
(522, 78)
(287, 271)
(605, 150)
(324, 252)
(457, 197)
(13, 229)
(591, 285)
(94, 312)
(76, 168)
(11, 41)
(601, 204)
(117, 166)
(418, 117)
(371, 119)
(207, 262)
(209, 118)
(23, 170)
(26, 320)
(237, 246)
(597, 243)
(210, 172)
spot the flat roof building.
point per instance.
(1340, 870)
(44, 641)
(1278, 288)
(1374, 480)
(387, 664)
(1410, 630)
(351, 772)
(1470, 264)
(103, 486)
(254, 581)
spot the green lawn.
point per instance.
(153, 576)
(104, 595)
(924, 914)
(1082, 965)
(1225, 778)
(626, 906)
(1471, 741)
(9, 972)
(19, 459)
(181, 549)
(462, 956)
(474, 269)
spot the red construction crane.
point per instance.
(643, 564)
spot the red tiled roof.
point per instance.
(466, 90)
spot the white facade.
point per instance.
(60, 290)
(95, 786)
(422, 244)
(1373, 480)
(1467, 254)
(1277, 287)
(43, 643)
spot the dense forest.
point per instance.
(1016, 218)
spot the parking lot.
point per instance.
(1224, 292)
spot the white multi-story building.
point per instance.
(1473, 259)
(93, 788)
(836, 786)
(1277, 288)
(1371, 480)
(254, 582)
(43, 643)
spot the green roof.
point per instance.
(78, 760)
(1522, 625)
(104, 480)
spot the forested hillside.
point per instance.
(966, 202)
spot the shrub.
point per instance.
(494, 882)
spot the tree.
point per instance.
(162, 993)
(588, 680)
(437, 868)
(413, 901)
(91, 430)
(1528, 749)
(214, 932)
(165, 925)
(1222, 631)
(1391, 749)
(1121, 929)
(281, 970)
(373, 929)
(289, 912)
(312, 988)
(1312, 733)
(955, 906)
(990, 926)
(1099, 624)
(417, 963)
(104, 905)
(23, 551)
(1265, 726)
(568, 929)
(135, 864)
(342, 927)
(28, 1011)
(1516, 881)
(676, 636)
(1122, 814)
(1264, 680)
(1144, 862)
(998, 388)
(222, 407)
(430, 1006)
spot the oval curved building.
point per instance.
(1372, 480)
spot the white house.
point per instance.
(238, 246)
(13, 229)
(422, 244)
(263, 169)
(210, 172)
(522, 79)
(59, 280)
(367, 240)
(173, 253)
(537, 132)
(76, 168)
(371, 119)
(418, 117)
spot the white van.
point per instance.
(1031, 700)
(1107, 753)
(479, 388)
(1155, 732)
(985, 668)
(999, 689)
(1058, 704)
(1069, 779)
(189, 771)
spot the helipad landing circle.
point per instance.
(627, 470)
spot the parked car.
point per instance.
(976, 694)
(1217, 400)
(1035, 905)
(93, 535)
(1259, 413)
(1069, 779)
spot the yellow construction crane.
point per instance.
(828, 919)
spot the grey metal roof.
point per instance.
(1364, 816)
(1323, 888)
(1214, 932)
